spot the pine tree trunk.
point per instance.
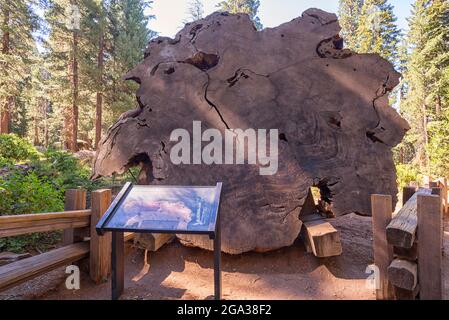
(5, 114)
(438, 106)
(44, 112)
(36, 132)
(75, 113)
(5, 123)
(425, 135)
(99, 107)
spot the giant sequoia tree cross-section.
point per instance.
(330, 105)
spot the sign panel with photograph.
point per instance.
(170, 209)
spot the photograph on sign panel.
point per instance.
(165, 209)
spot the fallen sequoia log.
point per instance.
(329, 105)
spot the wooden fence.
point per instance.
(408, 247)
(80, 241)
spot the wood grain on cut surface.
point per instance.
(335, 128)
(152, 241)
(403, 274)
(322, 238)
(402, 228)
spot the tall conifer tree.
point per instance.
(348, 17)
(249, 7)
(377, 31)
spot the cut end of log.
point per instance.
(223, 73)
(403, 274)
(400, 238)
(152, 241)
(402, 228)
(321, 238)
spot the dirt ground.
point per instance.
(178, 272)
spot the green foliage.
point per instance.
(377, 31)
(128, 29)
(348, 16)
(425, 86)
(14, 148)
(37, 186)
(405, 174)
(22, 193)
(41, 241)
(249, 7)
(18, 21)
(63, 171)
(439, 146)
(118, 31)
(27, 193)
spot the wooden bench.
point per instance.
(17, 272)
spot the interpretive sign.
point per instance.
(162, 209)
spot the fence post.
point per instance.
(75, 199)
(444, 194)
(434, 184)
(100, 247)
(407, 193)
(430, 238)
(381, 210)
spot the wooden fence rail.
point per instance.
(42, 222)
(408, 246)
(80, 240)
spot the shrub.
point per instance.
(14, 149)
(405, 173)
(25, 193)
(36, 186)
(64, 171)
(22, 193)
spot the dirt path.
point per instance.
(178, 272)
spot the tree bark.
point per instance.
(5, 114)
(5, 124)
(36, 141)
(75, 112)
(425, 136)
(99, 107)
(44, 113)
(438, 106)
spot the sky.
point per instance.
(170, 14)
